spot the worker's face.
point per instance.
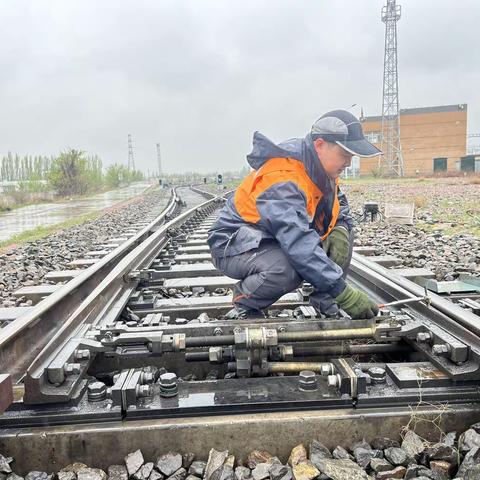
(334, 159)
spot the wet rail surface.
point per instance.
(148, 356)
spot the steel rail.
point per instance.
(111, 294)
(401, 286)
(453, 323)
(25, 337)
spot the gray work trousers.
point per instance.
(266, 274)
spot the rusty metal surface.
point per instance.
(105, 444)
(6, 392)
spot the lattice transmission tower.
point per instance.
(159, 160)
(131, 160)
(391, 162)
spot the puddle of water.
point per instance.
(45, 214)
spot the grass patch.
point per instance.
(389, 181)
(16, 206)
(448, 230)
(42, 232)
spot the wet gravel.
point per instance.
(446, 256)
(445, 235)
(410, 458)
(26, 265)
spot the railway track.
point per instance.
(137, 352)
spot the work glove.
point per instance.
(337, 246)
(356, 303)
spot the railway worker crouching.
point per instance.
(288, 221)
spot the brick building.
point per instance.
(434, 140)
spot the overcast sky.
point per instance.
(200, 76)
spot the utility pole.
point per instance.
(131, 161)
(159, 160)
(391, 162)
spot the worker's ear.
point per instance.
(319, 145)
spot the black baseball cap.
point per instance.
(344, 129)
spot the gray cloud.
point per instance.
(200, 76)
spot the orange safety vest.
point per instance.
(279, 170)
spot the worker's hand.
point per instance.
(337, 246)
(356, 303)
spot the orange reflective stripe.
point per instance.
(335, 213)
(275, 170)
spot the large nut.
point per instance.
(168, 385)
(377, 374)
(168, 379)
(307, 380)
(97, 391)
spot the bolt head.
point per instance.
(333, 380)
(440, 349)
(143, 390)
(215, 354)
(307, 376)
(96, 387)
(168, 379)
(423, 337)
(326, 369)
(82, 354)
(147, 377)
(72, 368)
(96, 391)
(376, 372)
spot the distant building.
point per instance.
(434, 140)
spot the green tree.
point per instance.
(114, 176)
(69, 174)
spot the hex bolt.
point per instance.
(307, 380)
(72, 368)
(168, 385)
(334, 381)
(327, 369)
(142, 390)
(441, 349)
(218, 331)
(423, 337)
(96, 391)
(147, 377)
(215, 354)
(82, 354)
(377, 374)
